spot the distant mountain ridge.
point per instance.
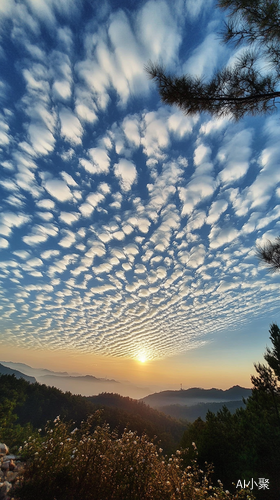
(80, 378)
(171, 402)
(196, 395)
(4, 370)
(189, 404)
(28, 370)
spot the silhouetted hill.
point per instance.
(36, 403)
(76, 383)
(79, 378)
(194, 396)
(136, 415)
(4, 370)
(28, 370)
(191, 413)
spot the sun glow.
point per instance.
(142, 358)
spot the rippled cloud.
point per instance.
(125, 226)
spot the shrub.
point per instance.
(93, 463)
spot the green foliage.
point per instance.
(34, 404)
(124, 412)
(272, 356)
(11, 432)
(94, 463)
(246, 444)
(241, 88)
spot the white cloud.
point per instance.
(85, 111)
(96, 79)
(181, 125)
(126, 172)
(68, 240)
(68, 179)
(104, 187)
(251, 223)
(62, 90)
(217, 208)
(4, 132)
(167, 40)
(205, 57)
(95, 198)
(47, 216)
(12, 219)
(102, 289)
(129, 58)
(225, 286)
(155, 136)
(131, 249)
(47, 204)
(105, 236)
(69, 217)
(201, 154)
(86, 209)
(196, 221)
(43, 10)
(84, 104)
(163, 187)
(194, 7)
(58, 189)
(106, 267)
(97, 248)
(213, 125)
(71, 127)
(36, 237)
(100, 161)
(4, 243)
(35, 262)
(47, 254)
(22, 254)
(219, 237)
(235, 154)
(198, 188)
(7, 7)
(132, 130)
(41, 139)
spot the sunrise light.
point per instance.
(142, 358)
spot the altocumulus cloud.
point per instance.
(125, 226)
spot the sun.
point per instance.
(142, 358)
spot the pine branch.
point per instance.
(270, 254)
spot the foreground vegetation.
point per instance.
(93, 463)
(246, 445)
(25, 406)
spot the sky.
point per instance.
(128, 230)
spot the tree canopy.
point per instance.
(242, 88)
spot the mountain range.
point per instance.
(86, 385)
(196, 395)
(184, 404)
(5, 370)
(192, 403)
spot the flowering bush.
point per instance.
(94, 463)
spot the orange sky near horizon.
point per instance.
(196, 368)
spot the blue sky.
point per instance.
(126, 228)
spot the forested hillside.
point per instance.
(35, 404)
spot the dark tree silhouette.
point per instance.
(241, 89)
(272, 356)
(270, 254)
